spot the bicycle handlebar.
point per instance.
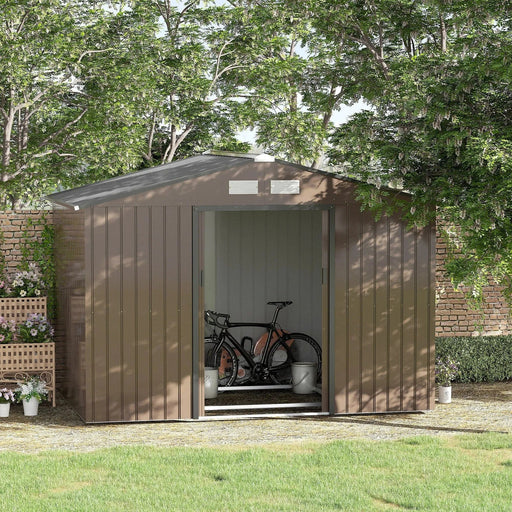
(212, 318)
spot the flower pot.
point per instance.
(31, 406)
(4, 410)
(211, 382)
(444, 394)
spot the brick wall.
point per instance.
(13, 224)
(453, 315)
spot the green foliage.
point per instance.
(441, 125)
(40, 251)
(480, 359)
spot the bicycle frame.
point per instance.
(271, 329)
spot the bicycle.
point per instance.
(268, 360)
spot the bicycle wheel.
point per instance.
(223, 358)
(293, 348)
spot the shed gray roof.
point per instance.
(147, 179)
(167, 174)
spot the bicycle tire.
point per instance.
(224, 358)
(293, 348)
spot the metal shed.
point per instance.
(140, 257)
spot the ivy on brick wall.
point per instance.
(40, 251)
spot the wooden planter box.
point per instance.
(18, 308)
(18, 361)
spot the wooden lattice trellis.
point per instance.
(18, 309)
(19, 361)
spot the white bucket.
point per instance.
(211, 382)
(303, 378)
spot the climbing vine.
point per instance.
(39, 250)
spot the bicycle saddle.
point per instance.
(280, 303)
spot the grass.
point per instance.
(463, 473)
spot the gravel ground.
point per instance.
(475, 408)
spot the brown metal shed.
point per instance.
(140, 255)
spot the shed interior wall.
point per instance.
(259, 256)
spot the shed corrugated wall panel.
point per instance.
(381, 313)
(99, 390)
(172, 334)
(354, 319)
(158, 338)
(383, 326)
(368, 273)
(143, 314)
(185, 311)
(113, 312)
(422, 324)
(409, 319)
(129, 308)
(341, 272)
(426, 319)
(138, 308)
(395, 340)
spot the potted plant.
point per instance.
(31, 392)
(7, 330)
(35, 329)
(446, 370)
(6, 398)
(27, 283)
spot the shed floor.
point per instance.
(276, 400)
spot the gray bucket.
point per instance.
(211, 382)
(303, 378)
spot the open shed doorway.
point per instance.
(248, 259)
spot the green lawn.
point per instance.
(464, 473)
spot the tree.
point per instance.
(440, 120)
(191, 101)
(55, 124)
(294, 84)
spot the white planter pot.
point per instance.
(444, 394)
(4, 410)
(31, 407)
(211, 382)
